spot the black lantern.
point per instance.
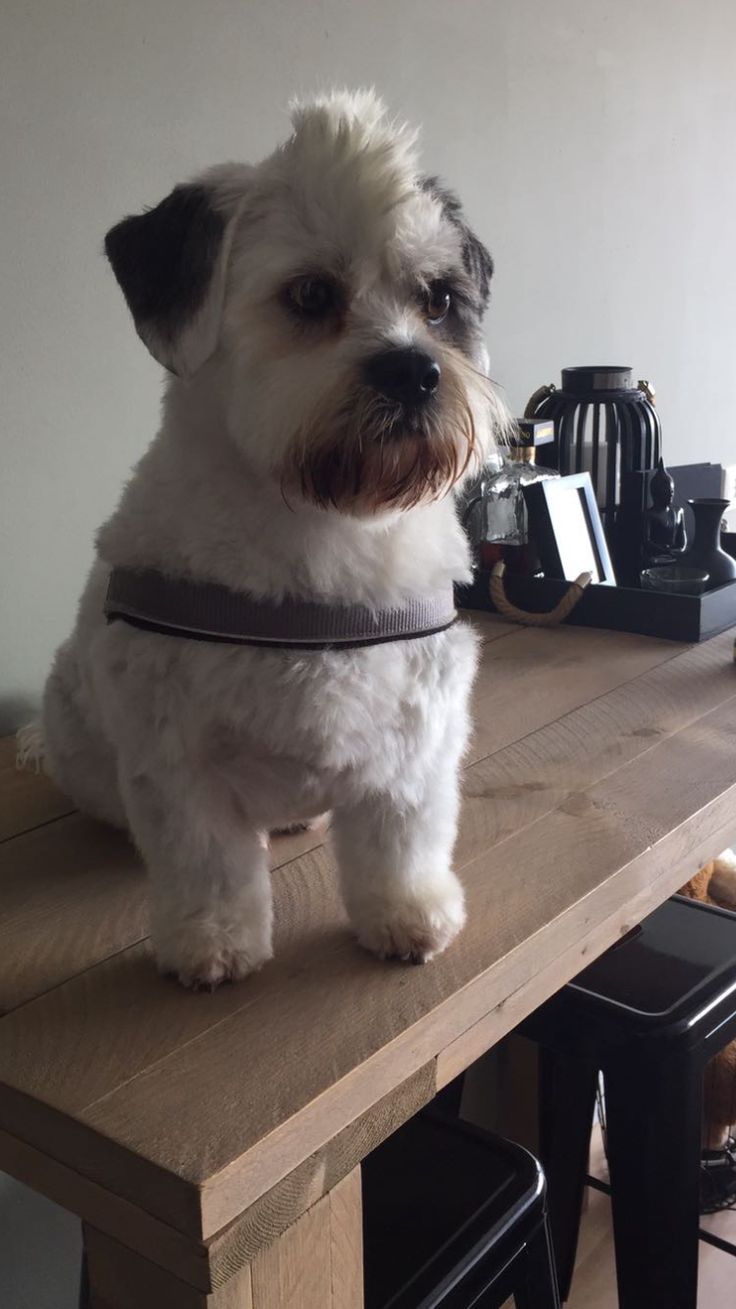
(604, 425)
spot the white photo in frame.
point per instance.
(566, 524)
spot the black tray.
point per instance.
(620, 608)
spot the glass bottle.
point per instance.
(493, 510)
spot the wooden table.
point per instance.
(211, 1143)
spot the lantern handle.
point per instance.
(535, 400)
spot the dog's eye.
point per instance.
(437, 302)
(313, 297)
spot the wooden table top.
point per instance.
(602, 775)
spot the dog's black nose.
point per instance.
(409, 375)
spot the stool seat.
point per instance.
(453, 1213)
(670, 974)
(649, 1014)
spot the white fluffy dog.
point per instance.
(320, 316)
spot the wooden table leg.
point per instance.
(120, 1278)
(315, 1264)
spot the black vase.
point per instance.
(705, 552)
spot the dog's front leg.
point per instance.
(211, 910)
(395, 866)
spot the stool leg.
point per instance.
(447, 1101)
(84, 1283)
(537, 1287)
(653, 1114)
(567, 1090)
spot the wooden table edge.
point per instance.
(228, 1204)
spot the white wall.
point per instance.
(592, 142)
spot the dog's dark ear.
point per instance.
(171, 264)
(477, 260)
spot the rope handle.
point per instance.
(552, 617)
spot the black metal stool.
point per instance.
(454, 1217)
(649, 1014)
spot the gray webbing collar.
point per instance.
(206, 611)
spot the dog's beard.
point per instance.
(361, 453)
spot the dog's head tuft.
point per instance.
(338, 295)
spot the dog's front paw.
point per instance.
(413, 927)
(202, 959)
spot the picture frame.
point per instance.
(568, 531)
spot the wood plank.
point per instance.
(27, 798)
(319, 1174)
(212, 1265)
(523, 781)
(286, 847)
(121, 1278)
(622, 837)
(346, 1207)
(296, 1272)
(318, 1262)
(508, 1017)
(72, 1021)
(72, 893)
(107, 1211)
(538, 674)
(129, 1018)
(518, 784)
(622, 900)
(250, 1142)
(489, 626)
(503, 794)
(594, 1281)
(86, 929)
(305, 898)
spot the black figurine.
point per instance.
(663, 527)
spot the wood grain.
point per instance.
(346, 1228)
(490, 627)
(296, 1272)
(520, 783)
(121, 1278)
(512, 699)
(319, 1174)
(51, 927)
(130, 1018)
(27, 798)
(91, 929)
(609, 774)
(107, 1211)
(585, 931)
(318, 1262)
(72, 894)
(409, 1015)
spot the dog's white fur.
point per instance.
(202, 748)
